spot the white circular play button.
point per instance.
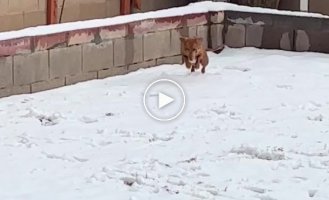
(164, 100)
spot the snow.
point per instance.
(200, 7)
(251, 129)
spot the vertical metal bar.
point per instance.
(125, 7)
(51, 11)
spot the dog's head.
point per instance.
(191, 48)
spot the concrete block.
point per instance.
(217, 17)
(65, 61)
(15, 90)
(216, 36)
(143, 65)
(6, 72)
(254, 35)
(169, 60)
(189, 31)
(34, 18)
(202, 31)
(113, 71)
(128, 51)
(47, 85)
(175, 43)
(235, 36)
(97, 57)
(70, 80)
(157, 45)
(302, 41)
(277, 38)
(31, 68)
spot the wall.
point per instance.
(33, 64)
(17, 14)
(321, 6)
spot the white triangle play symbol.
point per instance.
(164, 100)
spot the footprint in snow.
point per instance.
(88, 120)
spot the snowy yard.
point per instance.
(256, 126)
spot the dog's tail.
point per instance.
(217, 50)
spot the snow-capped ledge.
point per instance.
(194, 8)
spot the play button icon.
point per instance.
(164, 100)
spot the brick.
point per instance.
(157, 45)
(92, 10)
(128, 51)
(47, 85)
(69, 80)
(83, 36)
(169, 60)
(235, 36)
(15, 90)
(46, 42)
(34, 18)
(254, 35)
(302, 41)
(111, 32)
(202, 31)
(6, 72)
(216, 36)
(154, 25)
(143, 65)
(113, 71)
(97, 57)
(217, 17)
(65, 61)
(31, 68)
(11, 22)
(195, 19)
(15, 46)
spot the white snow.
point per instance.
(201, 7)
(251, 130)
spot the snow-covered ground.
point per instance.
(256, 126)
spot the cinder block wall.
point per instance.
(33, 64)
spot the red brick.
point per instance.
(195, 19)
(115, 31)
(151, 25)
(46, 42)
(15, 46)
(82, 36)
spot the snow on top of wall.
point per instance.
(201, 7)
